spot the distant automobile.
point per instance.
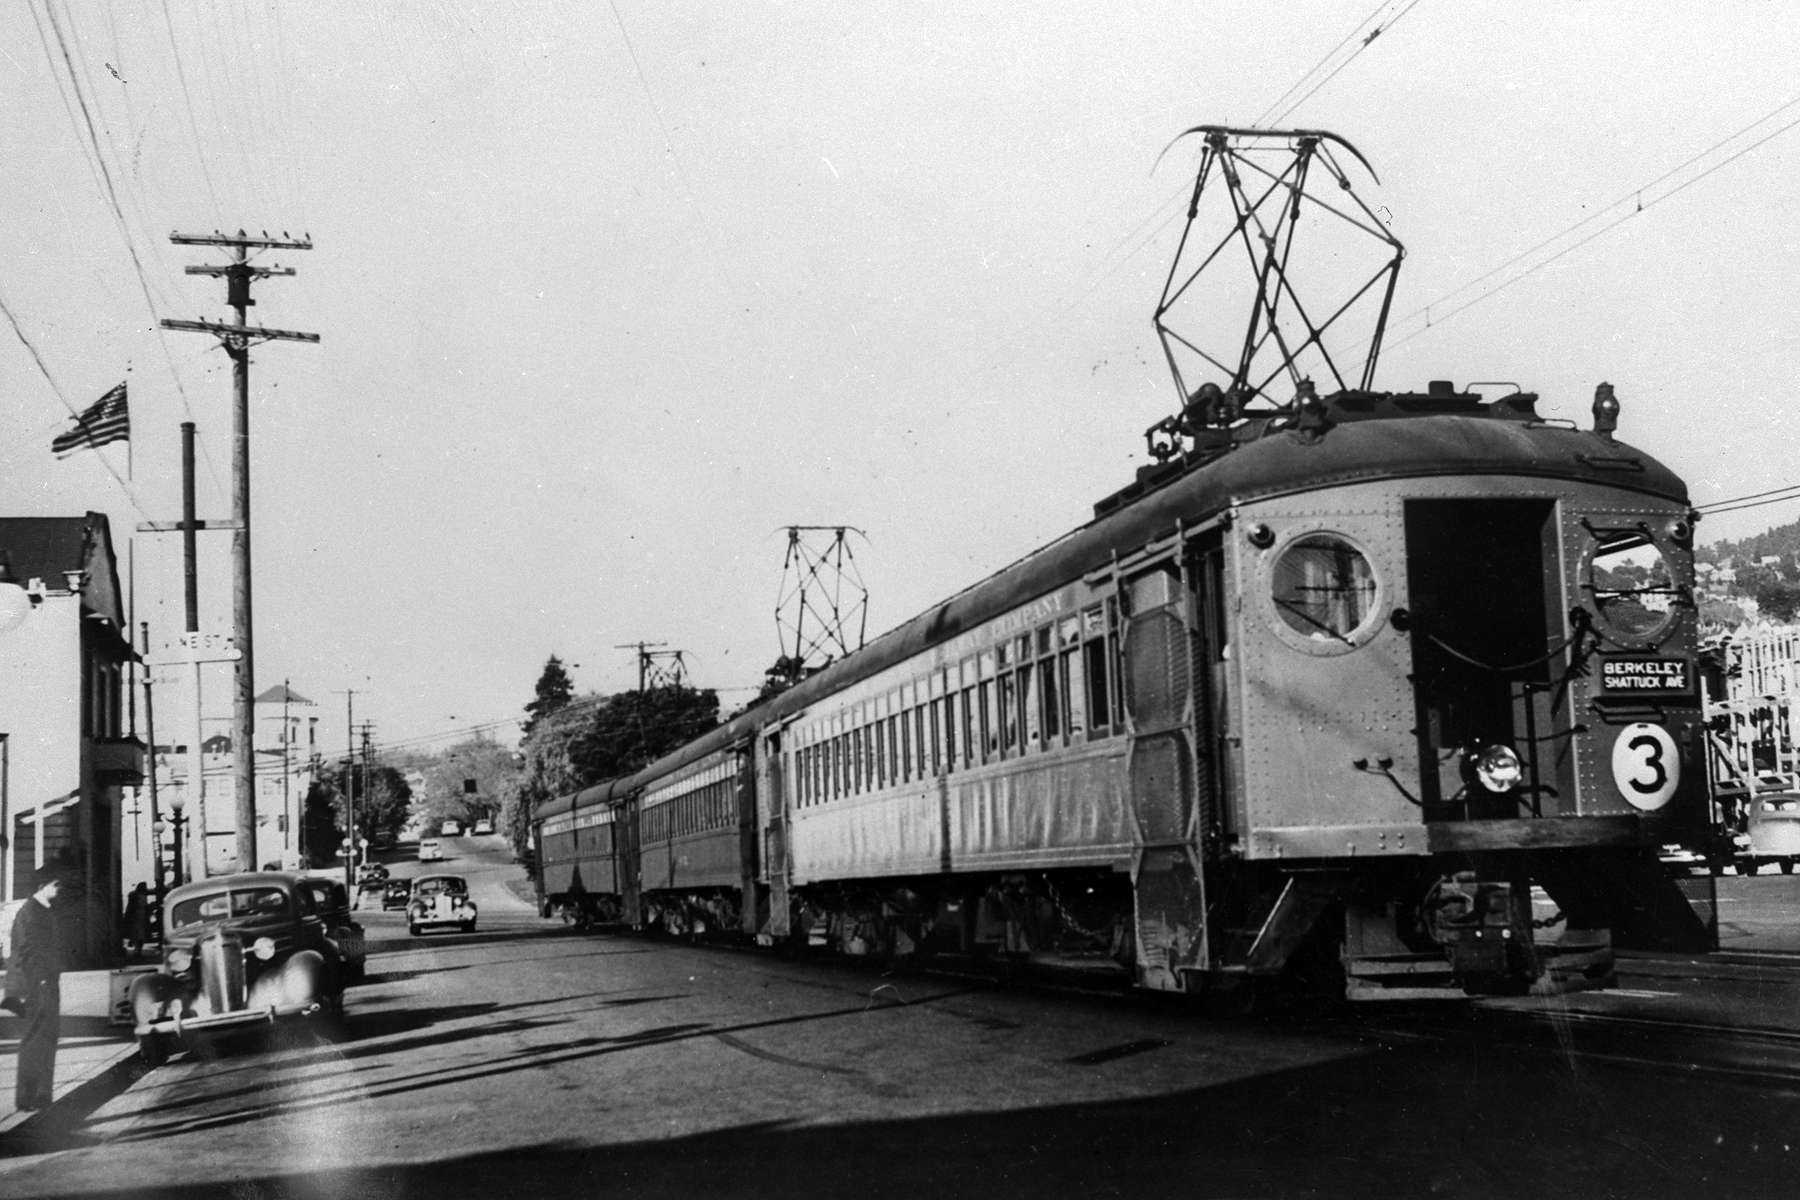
(371, 877)
(408, 836)
(398, 892)
(440, 900)
(484, 826)
(451, 829)
(431, 850)
(1774, 832)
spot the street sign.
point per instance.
(197, 648)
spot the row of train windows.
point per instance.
(1055, 686)
(710, 807)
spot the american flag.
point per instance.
(106, 420)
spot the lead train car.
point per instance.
(1334, 697)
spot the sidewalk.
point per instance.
(89, 1046)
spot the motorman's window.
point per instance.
(1323, 587)
(1093, 654)
(1633, 589)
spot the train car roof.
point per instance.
(1267, 461)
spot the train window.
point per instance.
(1002, 655)
(1044, 638)
(950, 732)
(985, 713)
(937, 756)
(1074, 686)
(868, 758)
(919, 739)
(1323, 588)
(1113, 687)
(906, 754)
(1029, 704)
(856, 761)
(1093, 654)
(893, 751)
(1009, 714)
(880, 753)
(1052, 698)
(968, 726)
(1633, 588)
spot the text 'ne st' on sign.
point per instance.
(199, 648)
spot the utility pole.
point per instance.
(156, 821)
(648, 672)
(236, 338)
(193, 651)
(350, 790)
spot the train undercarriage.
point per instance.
(1444, 927)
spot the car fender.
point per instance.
(152, 997)
(303, 979)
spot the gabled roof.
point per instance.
(281, 693)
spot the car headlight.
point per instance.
(263, 948)
(180, 961)
(1497, 768)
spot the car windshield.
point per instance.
(440, 886)
(217, 906)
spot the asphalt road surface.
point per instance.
(527, 1060)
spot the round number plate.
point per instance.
(1645, 765)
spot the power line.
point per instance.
(1753, 500)
(1362, 46)
(38, 358)
(1635, 197)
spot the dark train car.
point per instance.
(582, 848)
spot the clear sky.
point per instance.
(610, 294)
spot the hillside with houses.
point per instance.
(1751, 581)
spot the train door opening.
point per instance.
(1486, 635)
(625, 848)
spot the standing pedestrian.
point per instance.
(137, 917)
(34, 989)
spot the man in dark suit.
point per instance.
(34, 990)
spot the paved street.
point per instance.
(528, 1060)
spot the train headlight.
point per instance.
(1497, 769)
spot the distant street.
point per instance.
(529, 1060)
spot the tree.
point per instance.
(607, 738)
(1778, 601)
(554, 691)
(383, 799)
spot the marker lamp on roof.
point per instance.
(1497, 769)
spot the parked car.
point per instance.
(440, 900)
(484, 827)
(398, 892)
(451, 829)
(240, 950)
(431, 850)
(371, 877)
(333, 902)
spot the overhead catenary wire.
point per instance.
(1285, 113)
(1634, 199)
(44, 369)
(109, 193)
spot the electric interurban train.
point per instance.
(1333, 695)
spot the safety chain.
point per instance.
(1554, 918)
(1062, 913)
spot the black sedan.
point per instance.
(397, 893)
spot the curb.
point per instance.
(81, 1093)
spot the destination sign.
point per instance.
(1645, 676)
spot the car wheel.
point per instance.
(468, 927)
(412, 929)
(153, 1049)
(1787, 866)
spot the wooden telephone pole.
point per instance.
(236, 338)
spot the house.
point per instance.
(67, 755)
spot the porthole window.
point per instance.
(1324, 589)
(1632, 585)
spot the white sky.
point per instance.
(591, 338)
